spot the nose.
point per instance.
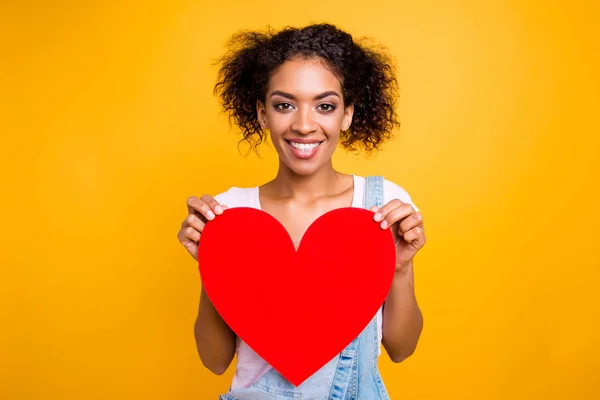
(304, 122)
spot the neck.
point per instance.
(323, 182)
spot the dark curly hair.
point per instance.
(366, 75)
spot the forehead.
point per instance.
(304, 76)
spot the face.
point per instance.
(304, 113)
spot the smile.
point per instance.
(304, 150)
(305, 146)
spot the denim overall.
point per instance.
(351, 375)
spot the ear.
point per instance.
(261, 112)
(347, 121)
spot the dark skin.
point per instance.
(297, 214)
(304, 102)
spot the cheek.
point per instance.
(278, 124)
(332, 127)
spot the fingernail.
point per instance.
(210, 215)
(377, 217)
(384, 225)
(218, 209)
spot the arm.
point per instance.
(402, 318)
(215, 341)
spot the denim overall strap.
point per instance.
(346, 379)
(373, 192)
(371, 384)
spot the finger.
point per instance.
(213, 204)
(192, 234)
(415, 236)
(397, 214)
(193, 200)
(189, 234)
(413, 220)
(195, 222)
(196, 205)
(386, 209)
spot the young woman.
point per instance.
(310, 90)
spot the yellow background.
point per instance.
(109, 124)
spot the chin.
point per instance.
(303, 170)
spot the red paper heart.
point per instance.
(297, 310)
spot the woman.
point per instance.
(309, 90)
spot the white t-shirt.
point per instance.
(250, 366)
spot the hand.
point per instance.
(200, 211)
(407, 228)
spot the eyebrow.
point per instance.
(292, 97)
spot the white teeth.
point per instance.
(304, 146)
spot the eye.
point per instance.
(326, 107)
(283, 106)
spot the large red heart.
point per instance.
(297, 310)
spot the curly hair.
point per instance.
(366, 75)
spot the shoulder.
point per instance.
(237, 197)
(392, 190)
